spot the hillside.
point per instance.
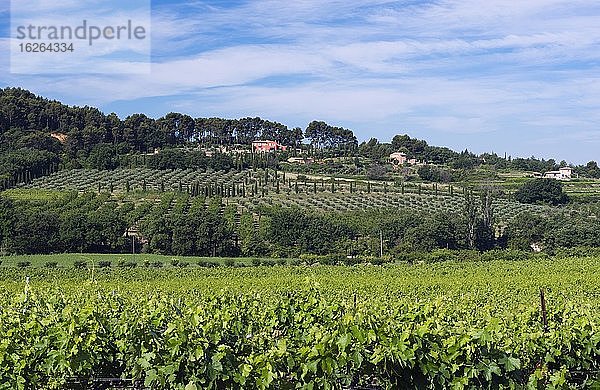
(105, 184)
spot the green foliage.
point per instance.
(434, 174)
(80, 264)
(542, 191)
(302, 232)
(376, 172)
(322, 135)
(468, 325)
(103, 157)
(229, 262)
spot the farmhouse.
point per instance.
(564, 173)
(398, 158)
(267, 146)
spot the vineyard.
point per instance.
(250, 190)
(450, 325)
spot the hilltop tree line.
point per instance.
(94, 139)
(104, 141)
(422, 151)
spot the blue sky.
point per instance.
(521, 77)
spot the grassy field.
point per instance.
(445, 325)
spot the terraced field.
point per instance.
(250, 190)
(343, 202)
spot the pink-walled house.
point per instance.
(267, 146)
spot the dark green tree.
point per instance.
(542, 191)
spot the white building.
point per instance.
(565, 173)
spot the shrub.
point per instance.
(183, 264)
(282, 261)
(256, 262)
(126, 264)
(268, 262)
(577, 252)
(380, 260)
(309, 258)
(24, 264)
(104, 264)
(229, 262)
(174, 262)
(546, 191)
(440, 255)
(412, 257)
(333, 259)
(353, 260)
(508, 254)
(51, 264)
(80, 264)
(157, 264)
(376, 172)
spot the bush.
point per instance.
(508, 255)
(577, 252)
(24, 264)
(174, 262)
(157, 264)
(282, 261)
(412, 257)
(440, 255)
(229, 262)
(183, 264)
(80, 264)
(381, 260)
(127, 264)
(433, 174)
(256, 262)
(268, 262)
(352, 260)
(104, 264)
(51, 264)
(376, 172)
(544, 191)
